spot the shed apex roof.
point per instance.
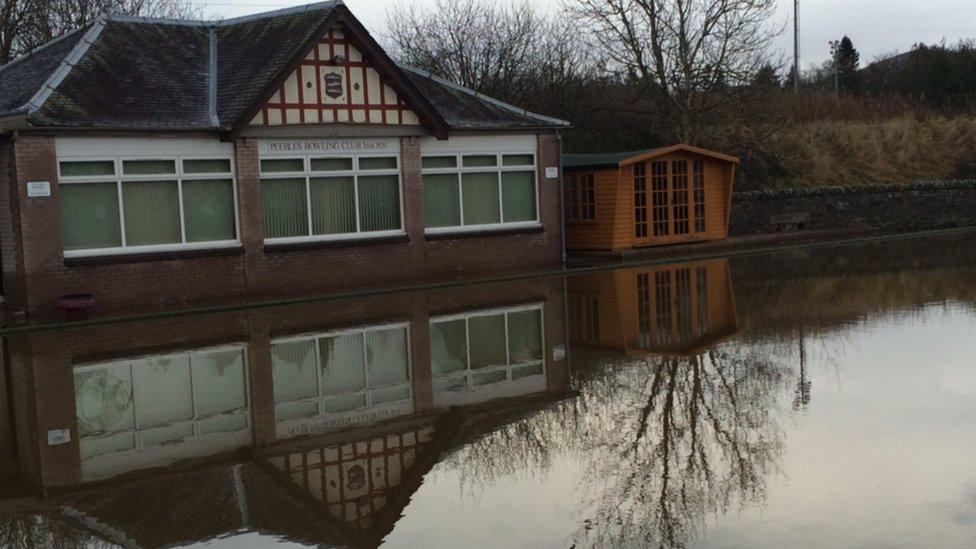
(615, 160)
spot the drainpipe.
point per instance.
(562, 197)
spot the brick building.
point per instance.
(153, 162)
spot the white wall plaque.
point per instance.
(552, 173)
(58, 436)
(38, 189)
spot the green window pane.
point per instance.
(208, 210)
(480, 194)
(390, 394)
(343, 364)
(152, 212)
(331, 164)
(216, 165)
(518, 196)
(90, 216)
(439, 162)
(518, 159)
(480, 161)
(379, 203)
(148, 167)
(284, 165)
(378, 163)
(293, 370)
(333, 205)
(448, 347)
(387, 354)
(525, 336)
(343, 403)
(85, 169)
(218, 382)
(283, 208)
(487, 340)
(442, 206)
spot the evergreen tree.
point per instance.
(847, 61)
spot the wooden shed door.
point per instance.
(670, 207)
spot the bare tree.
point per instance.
(28, 24)
(695, 56)
(506, 52)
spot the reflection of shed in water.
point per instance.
(678, 308)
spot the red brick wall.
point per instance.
(36, 275)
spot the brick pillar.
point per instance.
(35, 159)
(11, 250)
(550, 213)
(413, 192)
(247, 165)
(420, 374)
(261, 376)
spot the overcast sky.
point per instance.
(875, 26)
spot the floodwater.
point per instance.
(818, 397)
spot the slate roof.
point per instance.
(137, 73)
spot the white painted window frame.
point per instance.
(136, 431)
(366, 391)
(508, 367)
(498, 168)
(119, 178)
(355, 173)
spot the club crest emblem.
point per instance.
(333, 85)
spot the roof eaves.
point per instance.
(492, 100)
(73, 57)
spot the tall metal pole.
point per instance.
(796, 46)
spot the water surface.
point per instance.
(809, 398)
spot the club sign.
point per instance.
(333, 85)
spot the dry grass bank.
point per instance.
(905, 149)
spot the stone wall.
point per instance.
(890, 208)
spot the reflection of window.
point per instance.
(584, 310)
(132, 205)
(580, 197)
(134, 404)
(315, 198)
(485, 348)
(478, 190)
(340, 372)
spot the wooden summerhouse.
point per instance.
(669, 195)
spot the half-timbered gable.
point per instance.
(336, 83)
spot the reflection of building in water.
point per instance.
(667, 309)
(316, 422)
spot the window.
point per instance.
(640, 200)
(320, 198)
(580, 197)
(661, 205)
(340, 372)
(476, 191)
(698, 179)
(679, 196)
(150, 401)
(130, 205)
(486, 348)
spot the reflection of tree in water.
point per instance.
(29, 531)
(663, 442)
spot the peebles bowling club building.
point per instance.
(154, 162)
